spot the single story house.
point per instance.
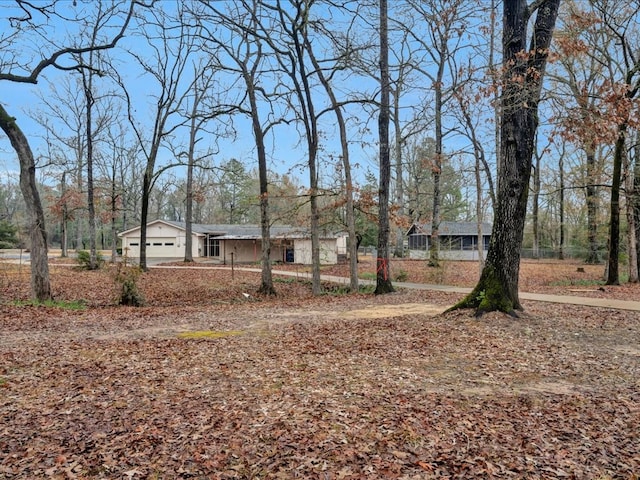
(227, 243)
(458, 240)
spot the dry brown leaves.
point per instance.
(313, 388)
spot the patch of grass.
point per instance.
(368, 276)
(342, 289)
(3, 382)
(210, 334)
(286, 280)
(65, 304)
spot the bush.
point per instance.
(401, 276)
(84, 259)
(126, 280)
(8, 238)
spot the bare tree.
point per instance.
(248, 61)
(171, 45)
(622, 24)
(15, 69)
(444, 40)
(337, 108)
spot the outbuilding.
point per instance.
(458, 240)
(227, 243)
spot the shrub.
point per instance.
(8, 238)
(84, 259)
(401, 276)
(126, 280)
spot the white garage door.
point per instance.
(161, 247)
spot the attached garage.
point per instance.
(164, 240)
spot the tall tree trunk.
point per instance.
(65, 217)
(346, 164)
(40, 283)
(636, 196)
(266, 286)
(479, 215)
(147, 183)
(397, 147)
(632, 242)
(593, 256)
(188, 240)
(87, 81)
(114, 214)
(613, 265)
(436, 167)
(536, 206)
(561, 206)
(383, 277)
(497, 288)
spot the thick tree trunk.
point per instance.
(613, 263)
(40, 283)
(383, 277)
(497, 288)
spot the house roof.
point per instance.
(451, 228)
(237, 232)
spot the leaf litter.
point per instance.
(351, 386)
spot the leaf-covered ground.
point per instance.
(207, 382)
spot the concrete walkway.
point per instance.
(536, 297)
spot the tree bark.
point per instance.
(344, 145)
(87, 82)
(497, 288)
(64, 214)
(383, 277)
(636, 197)
(593, 256)
(613, 263)
(266, 285)
(40, 282)
(536, 206)
(561, 206)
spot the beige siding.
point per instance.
(328, 255)
(247, 251)
(163, 241)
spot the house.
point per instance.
(227, 243)
(458, 240)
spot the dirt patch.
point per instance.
(390, 311)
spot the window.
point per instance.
(168, 244)
(211, 247)
(157, 244)
(451, 243)
(469, 242)
(134, 244)
(214, 248)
